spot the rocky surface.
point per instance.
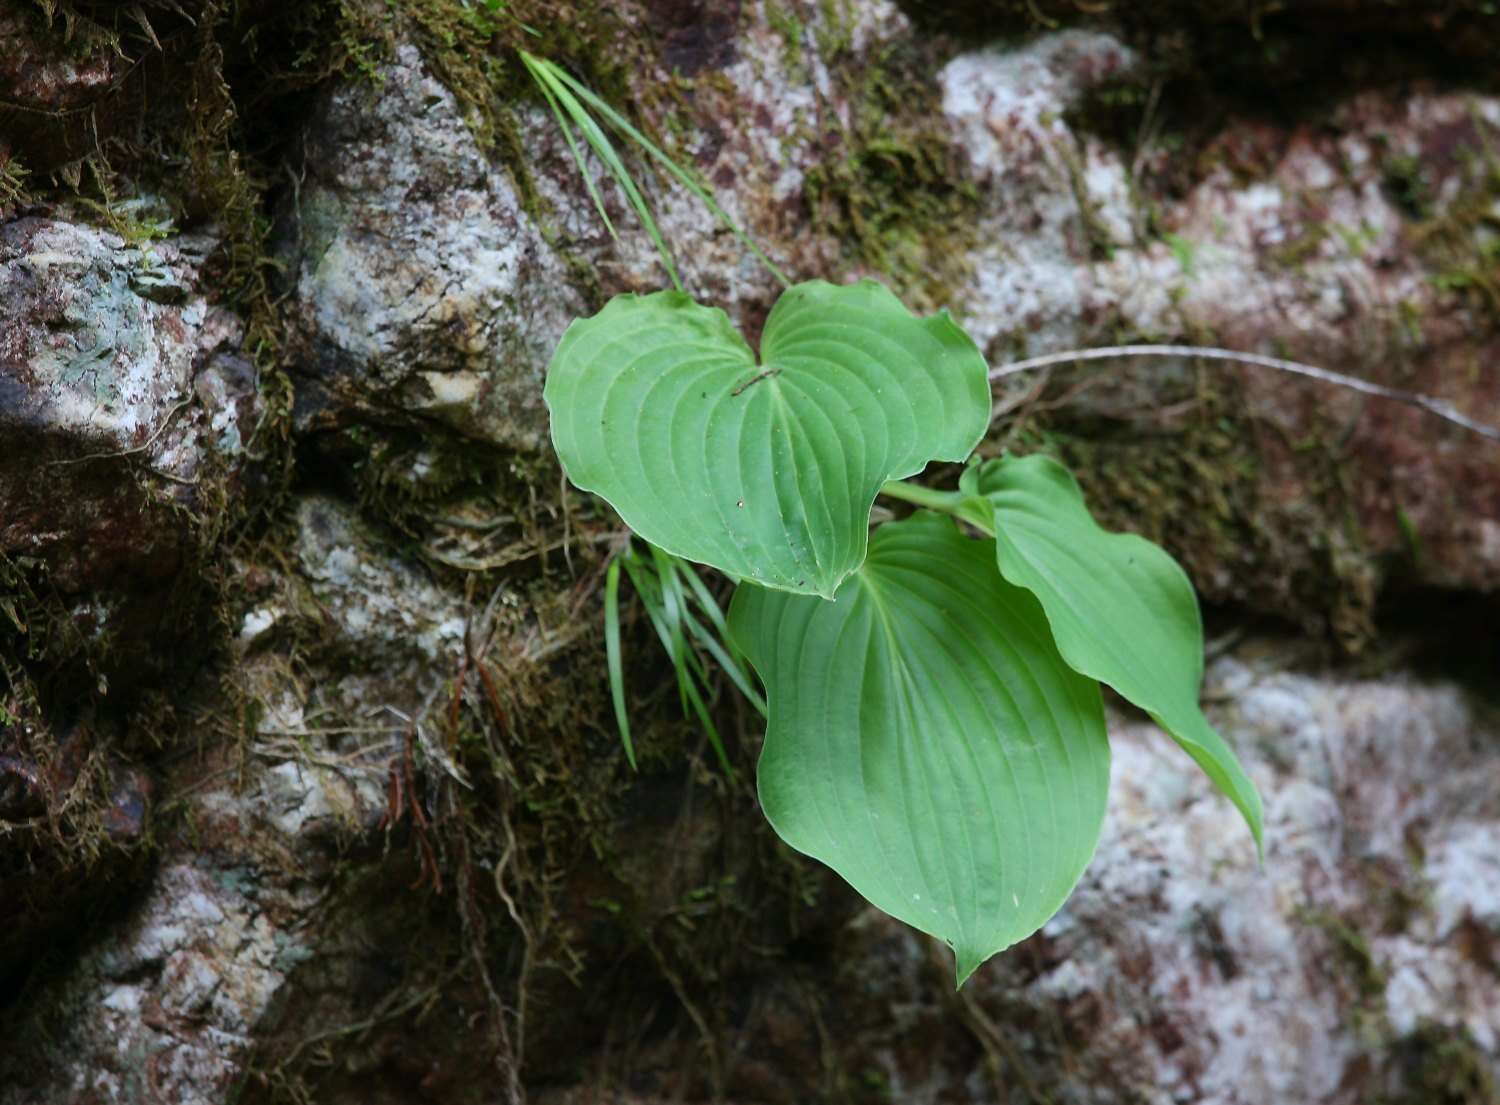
(1359, 238)
(423, 288)
(47, 88)
(1181, 971)
(128, 412)
(168, 1006)
(329, 806)
(1300, 241)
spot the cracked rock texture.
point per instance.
(1297, 241)
(1179, 970)
(1360, 238)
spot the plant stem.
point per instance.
(953, 503)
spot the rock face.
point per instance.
(1342, 970)
(127, 412)
(423, 288)
(1047, 217)
(1332, 241)
(171, 1003)
(47, 88)
(330, 806)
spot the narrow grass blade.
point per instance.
(719, 642)
(560, 85)
(706, 601)
(664, 604)
(672, 613)
(648, 587)
(612, 655)
(544, 82)
(701, 709)
(732, 668)
(615, 119)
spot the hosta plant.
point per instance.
(935, 732)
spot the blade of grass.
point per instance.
(612, 655)
(690, 670)
(718, 642)
(676, 613)
(737, 674)
(706, 601)
(620, 123)
(567, 132)
(649, 589)
(708, 727)
(552, 77)
(672, 613)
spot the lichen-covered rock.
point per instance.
(1356, 241)
(814, 91)
(127, 412)
(126, 416)
(378, 633)
(424, 289)
(380, 843)
(48, 87)
(167, 1008)
(40, 74)
(1340, 970)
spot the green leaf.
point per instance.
(560, 77)
(612, 655)
(926, 741)
(1121, 609)
(766, 471)
(659, 598)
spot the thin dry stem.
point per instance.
(1439, 407)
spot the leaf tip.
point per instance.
(965, 962)
(1254, 819)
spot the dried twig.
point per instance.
(1439, 407)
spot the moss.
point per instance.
(556, 863)
(1440, 1066)
(1353, 952)
(892, 194)
(784, 20)
(1194, 484)
(555, 859)
(1461, 242)
(67, 851)
(1305, 246)
(552, 825)
(14, 192)
(1363, 979)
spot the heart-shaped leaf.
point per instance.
(926, 740)
(1121, 609)
(767, 471)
